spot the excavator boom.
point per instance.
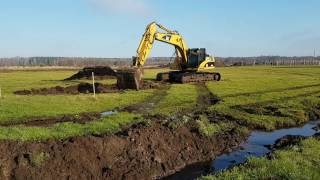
(167, 36)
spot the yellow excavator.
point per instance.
(190, 65)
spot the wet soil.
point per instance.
(151, 102)
(45, 122)
(82, 88)
(144, 151)
(100, 72)
(205, 97)
(76, 89)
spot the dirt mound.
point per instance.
(141, 152)
(219, 63)
(80, 88)
(100, 72)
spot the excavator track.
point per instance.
(188, 77)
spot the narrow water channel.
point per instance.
(255, 146)
(108, 113)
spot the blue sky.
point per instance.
(113, 28)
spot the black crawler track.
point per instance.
(188, 77)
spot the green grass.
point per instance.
(38, 159)
(22, 108)
(292, 93)
(297, 162)
(207, 128)
(108, 124)
(180, 98)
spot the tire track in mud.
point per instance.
(205, 97)
(145, 107)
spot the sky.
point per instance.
(113, 28)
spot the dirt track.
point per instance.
(142, 152)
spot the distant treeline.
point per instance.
(74, 61)
(270, 60)
(82, 61)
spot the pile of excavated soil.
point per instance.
(100, 72)
(219, 63)
(141, 152)
(82, 88)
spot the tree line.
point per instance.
(271, 60)
(91, 61)
(73, 61)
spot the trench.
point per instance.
(257, 145)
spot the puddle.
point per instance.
(108, 113)
(255, 146)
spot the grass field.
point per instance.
(267, 98)
(258, 97)
(22, 108)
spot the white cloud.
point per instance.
(137, 7)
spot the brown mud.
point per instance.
(76, 89)
(205, 97)
(146, 106)
(82, 88)
(100, 72)
(144, 151)
(45, 122)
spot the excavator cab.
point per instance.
(196, 57)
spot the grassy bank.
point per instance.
(296, 162)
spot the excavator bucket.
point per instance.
(129, 78)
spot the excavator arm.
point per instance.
(168, 36)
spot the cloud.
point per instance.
(136, 7)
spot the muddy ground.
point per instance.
(83, 88)
(144, 151)
(290, 140)
(45, 122)
(149, 150)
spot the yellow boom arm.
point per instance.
(168, 36)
